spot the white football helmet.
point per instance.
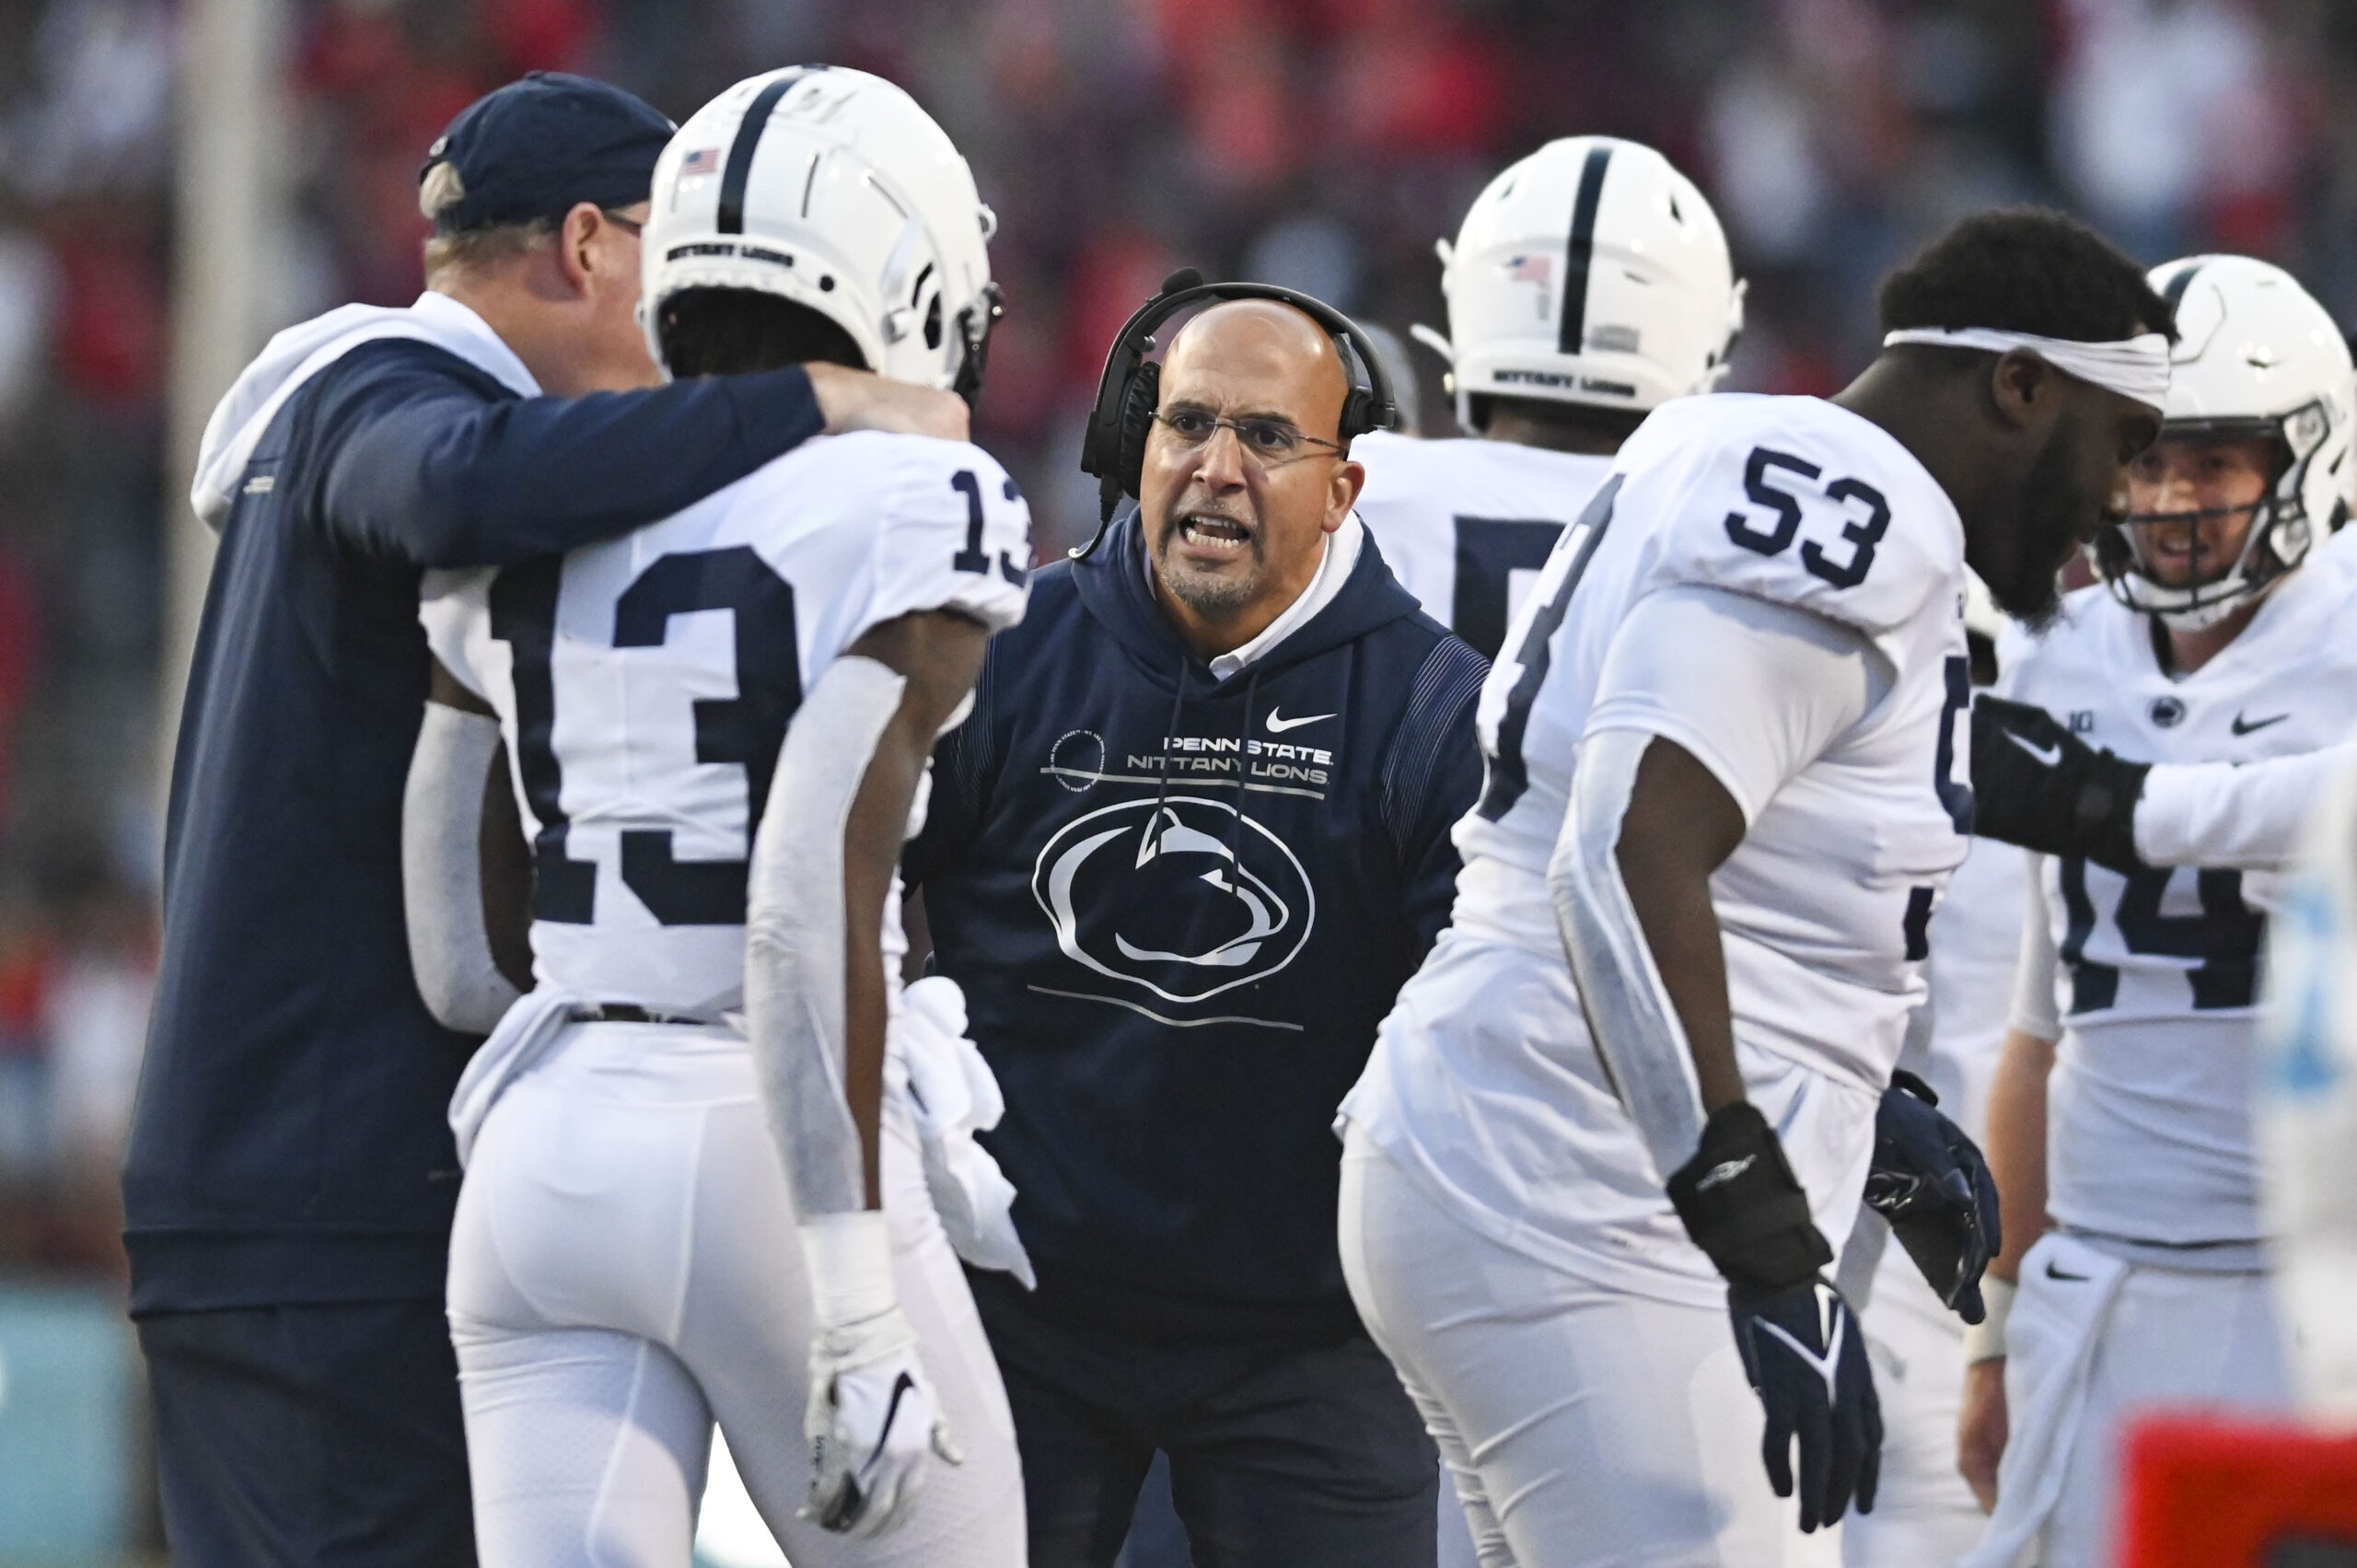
(2256, 356)
(830, 188)
(1591, 272)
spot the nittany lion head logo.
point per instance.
(1180, 896)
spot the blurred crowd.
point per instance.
(1322, 144)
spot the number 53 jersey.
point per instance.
(644, 686)
(1823, 906)
(2155, 996)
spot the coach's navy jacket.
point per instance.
(290, 1142)
(1177, 978)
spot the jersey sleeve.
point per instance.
(1755, 690)
(2249, 815)
(956, 536)
(2036, 1010)
(1798, 511)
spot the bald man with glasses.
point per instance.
(1193, 840)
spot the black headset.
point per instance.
(1114, 447)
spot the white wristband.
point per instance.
(1985, 1340)
(850, 1257)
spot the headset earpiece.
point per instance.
(1145, 395)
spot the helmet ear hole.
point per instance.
(1137, 419)
(933, 322)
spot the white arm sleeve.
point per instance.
(796, 941)
(442, 870)
(2247, 816)
(1757, 692)
(2036, 1011)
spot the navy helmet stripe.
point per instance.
(740, 153)
(1572, 329)
(2175, 293)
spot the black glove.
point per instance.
(1800, 1347)
(1806, 1356)
(2036, 785)
(1928, 1180)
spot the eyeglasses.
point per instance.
(628, 226)
(1270, 442)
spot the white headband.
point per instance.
(2135, 367)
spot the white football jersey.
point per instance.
(1824, 906)
(2149, 1133)
(644, 686)
(1467, 524)
(1976, 941)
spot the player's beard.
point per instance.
(2053, 513)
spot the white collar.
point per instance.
(1333, 571)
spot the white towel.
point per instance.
(524, 1036)
(2067, 1291)
(953, 1095)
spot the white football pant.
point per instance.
(1924, 1514)
(1584, 1427)
(2080, 1372)
(624, 1269)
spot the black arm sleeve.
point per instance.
(428, 459)
(1433, 777)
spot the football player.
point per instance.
(2121, 1107)
(719, 727)
(1562, 336)
(1631, 1098)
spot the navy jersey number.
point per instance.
(1490, 551)
(2224, 936)
(1860, 534)
(974, 558)
(746, 729)
(1509, 777)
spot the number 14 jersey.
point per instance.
(644, 686)
(2158, 981)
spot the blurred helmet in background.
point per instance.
(830, 188)
(2256, 356)
(1591, 272)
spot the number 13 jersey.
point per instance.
(644, 686)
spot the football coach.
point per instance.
(290, 1181)
(1193, 840)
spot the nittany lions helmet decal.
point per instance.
(1591, 272)
(2256, 356)
(830, 188)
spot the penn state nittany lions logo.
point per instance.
(1180, 896)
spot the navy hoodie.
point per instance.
(1177, 979)
(290, 1144)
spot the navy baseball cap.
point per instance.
(537, 146)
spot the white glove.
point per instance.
(871, 1421)
(953, 1095)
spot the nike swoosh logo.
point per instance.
(1827, 1366)
(2244, 726)
(2047, 755)
(2054, 1273)
(1279, 726)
